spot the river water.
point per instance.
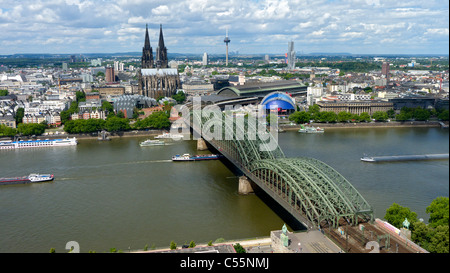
(116, 194)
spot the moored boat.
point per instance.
(310, 130)
(37, 143)
(169, 135)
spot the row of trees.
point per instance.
(157, 120)
(434, 236)
(405, 114)
(327, 116)
(23, 129)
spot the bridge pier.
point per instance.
(245, 186)
(201, 145)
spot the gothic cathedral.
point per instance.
(155, 78)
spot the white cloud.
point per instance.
(161, 10)
(437, 31)
(197, 25)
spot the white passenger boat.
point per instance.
(310, 130)
(169, 135)
(152, 142)
(8, 144)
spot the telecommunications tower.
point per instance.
(226, 41)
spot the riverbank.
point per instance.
(391, 124)
(286, 127)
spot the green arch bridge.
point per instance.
(310, 190)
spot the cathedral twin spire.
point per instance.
(161, 52)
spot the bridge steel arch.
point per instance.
(313, 189)
(309, 189)
(235, 139)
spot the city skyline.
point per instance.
(254, 26)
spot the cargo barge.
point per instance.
(32, 178)
(403, 158)
(188, 157)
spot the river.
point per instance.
(116, 194)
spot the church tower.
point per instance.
(147, 52)
(155, 78)
(161, 52)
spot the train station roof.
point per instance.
(261, 89)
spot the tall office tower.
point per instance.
(227, 41)
(291, 56)
(116, 65)
(205, 58)
(110, 76)
(161, 52)
(385, 70)
(147, 52)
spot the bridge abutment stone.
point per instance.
(201, 145)
(245, 186)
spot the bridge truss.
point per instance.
(309, 189)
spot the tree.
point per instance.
(439, 212)
(65, 116)
(4, 93)
(300, 117)
(180, 97)
(157, 120)
(364, 116)
(344, 116)
(81, 96)
(444, 115)
(396, 214)
(380, 116)
(402, 117)
(421, 234)
(314, 110)
(439, 240)
(19, 115)
(114, 124)
(327, 116)
(239, 248)
(106, 106)
(7, 131)
(192, 244)
(31, 129)
(391, 113)
(421, 114)
(120, 114)
(173, 245)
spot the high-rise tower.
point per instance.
(161, 52)
(226, 41)
(147, 52)
(385, 70)
(291, 56)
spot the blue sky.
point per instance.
(197, 26)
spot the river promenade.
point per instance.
(339, 125)
(390, 124)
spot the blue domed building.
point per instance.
(281, 102)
